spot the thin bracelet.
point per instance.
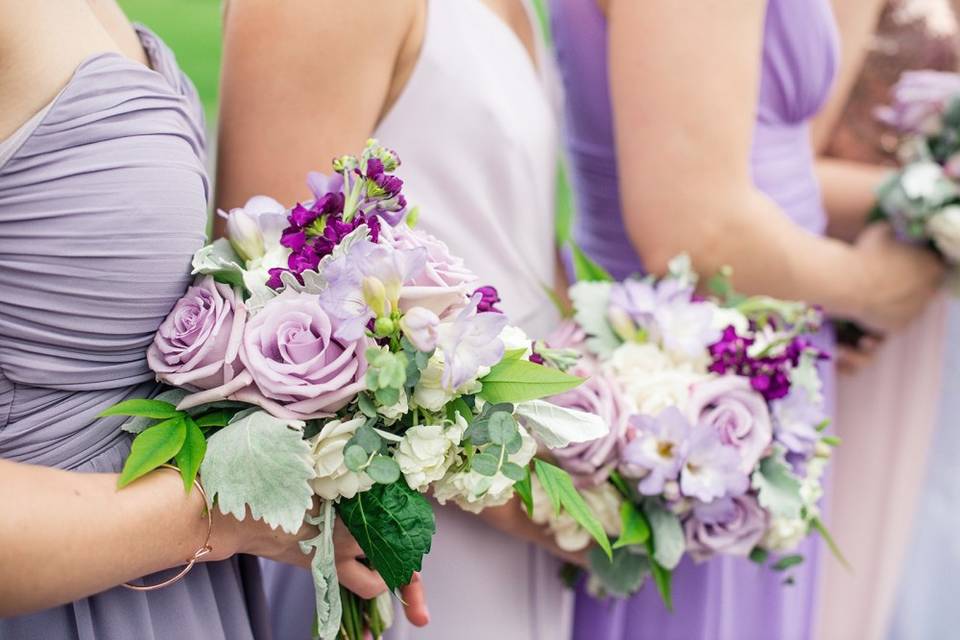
(202, 551)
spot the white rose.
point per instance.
(333, 478)
(427, 451)
(922, 180)
(944, 228)
(514, 338)
(784, 534)
(429, 393)
(604, 500)
(651, 379)
(474, 492)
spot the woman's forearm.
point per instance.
(849, 193)
(66, 535)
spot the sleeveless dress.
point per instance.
(477, 136)
(103, 200)
(725, 598)
(887, 413)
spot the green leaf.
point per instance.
(387, 397)
(513, 354)
(354, 457)
(778, 489)
(590, 303)
(219, 260)
(621, 576)
(759, 555)
(144, 408)
(218, 418)
(525, 490)
(663, 578)
(367, 438)
(366, 405)
(136, 424)
(519, 381)
(559, 487)
(633, 526)
(557, 426)
(191, 453)
(486, 463)
(585, 269)
(501, 428)
(459, 405)
(787, 562)
(831, 441)
(261, 462)
(394, 526)
(326, 587)
(153, 447)
(666, 535)
(821, 528)
(383, 470)
(513, 471)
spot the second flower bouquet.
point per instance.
(334, 351)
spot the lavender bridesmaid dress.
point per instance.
(726, 598)
(103, 199)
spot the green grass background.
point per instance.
(192, 29)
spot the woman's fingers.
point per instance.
(415, 599)
(360, 579)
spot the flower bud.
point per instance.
(375, 295)
(419, 325)
(245, 235)
(622, 324)
(383, 327)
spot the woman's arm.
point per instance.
(684, 117)
(849, 188)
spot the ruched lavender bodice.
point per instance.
(800, 55)
(103, 200)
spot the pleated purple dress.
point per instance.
(726, 598)
(103, 200)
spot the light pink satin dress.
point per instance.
(887, 412)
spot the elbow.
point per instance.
(694, 231)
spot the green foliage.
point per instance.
(216, 418)
(219, 260)
(191, 453)
(759, 555)
(559, 488)
(383, 470)
(394, 526)
(525, 491)
(261, 462)
(787, 562)
(520, 380)
(821, 528)
(778, 489)
(143, 408)
(590, 303)
(137, 423)
(326, 587)
(623, 574)
(585, 269)
(153, 447)
(667, 534)
(634, 529)
(555, 426)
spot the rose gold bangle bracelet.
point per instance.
(202, 551)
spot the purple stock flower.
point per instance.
(658, 449)
(711, 469)
(489, 298)
(468, 342)
(730, 526)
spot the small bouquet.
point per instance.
(716, 442)
(334, 351)
(922, 199)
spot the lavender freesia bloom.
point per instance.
(711, 469)
(919, 98)
(468, 342)
(658, 449)
(795, 422)
(731, 526)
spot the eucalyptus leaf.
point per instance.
(326, 587)
(191, 453)
(513, 471)
(520, 381)
(354, 457)
(383, 470)
(555, 426)
(262, 462)
(485, 464)
(387, 396)
(501, 428)
(778, 488)
(394, 526)
(366, 405)
(367, 438)
(151, 448)
(590, 303)
(621, 576)
(667, 534)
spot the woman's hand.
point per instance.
(513, 520)
(900, 279)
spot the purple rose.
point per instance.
(197, 345)
(590, 463)
(737, 413)
(730, 526)
(567, 335)
(296, 365)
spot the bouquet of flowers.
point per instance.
(334, 351)
(716, 442)
(922, 199)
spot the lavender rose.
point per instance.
(731, 526)
(737, 413)
(197, 345)
(590, 463)
(294, 361)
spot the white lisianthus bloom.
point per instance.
(944, 229)
(651, 380)
(474, 492)
(427, 451)
(429, 392)
(334, 479)
(395, 411)
(604, 500)
(514, 338)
